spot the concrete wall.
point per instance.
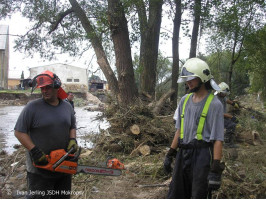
(4, 56)
(72, 78)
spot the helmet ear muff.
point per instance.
(57, 82)
(30, 83)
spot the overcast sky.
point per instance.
(18, 62)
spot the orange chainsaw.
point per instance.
(65, 162)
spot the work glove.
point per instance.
(236, 106)
(214, 177)
(234, 119)
(39, 157)
(168, 160)
(72, 143)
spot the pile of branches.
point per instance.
(244, 174)
(135, 130)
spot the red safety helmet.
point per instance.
(49, 78)
(46, 78)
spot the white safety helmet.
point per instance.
(195, 67)
(224, 88)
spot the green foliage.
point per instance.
(47, 38)
(164, 70)
(232, 21)
(28, 91)
(254, 50)
(137, 70)
(219, 63)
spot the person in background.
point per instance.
(230, 121)
(44, 125)
(70, 98)
(199, 136)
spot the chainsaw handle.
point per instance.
(47, 166)
(55, 158)
(62, 158)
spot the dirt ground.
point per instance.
(244, 177)
(143, 178)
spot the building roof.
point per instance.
(3, 36)
(57, 65)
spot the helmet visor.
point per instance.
(184, 79)
(215, 86)
(186, 76)
(185, 72)
(225, 92)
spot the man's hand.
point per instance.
(234, 119)
(236, 106)
(72, 143)
(214, 181)
(214, 177)
(168, 160)
(39, 157)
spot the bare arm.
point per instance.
(72, 133)
(227, 115)
(217, 150)
(228, 101)
(24, 139)
(174, 144)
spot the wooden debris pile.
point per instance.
(135, 130)
(244, 175)
(13, 174)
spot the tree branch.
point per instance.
(160, 103)
(60, 18)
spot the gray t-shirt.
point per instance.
(48, 126)
(214, 123)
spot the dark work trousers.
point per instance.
(190, 173)
(230, 127)
(48, 188)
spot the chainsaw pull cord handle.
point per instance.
(62, 158)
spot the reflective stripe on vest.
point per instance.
(202, 117)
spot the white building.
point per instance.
(72, 78)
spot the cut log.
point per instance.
(145, 150)
(250, 137)
(135, 129)
(136, 150)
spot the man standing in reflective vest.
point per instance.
(198, 141)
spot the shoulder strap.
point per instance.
(182, 116)
(203, 116)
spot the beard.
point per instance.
(196, 89)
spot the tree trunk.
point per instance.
(162, 100)
(97, 46)
(195, 31)
(175, 51)
(120, 36)
(150, 32)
